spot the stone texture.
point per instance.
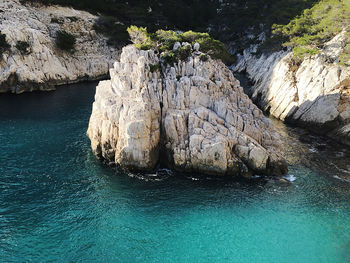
(193, 117)
(46, 65)
(315, 95)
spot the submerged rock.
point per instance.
(43, 65)
(315, 94)
(192, 117)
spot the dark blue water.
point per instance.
(59, 204)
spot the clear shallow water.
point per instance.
(59, 204)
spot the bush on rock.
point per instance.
(140, 37)
(4, 45)
(23, 47)
(65, 40)
(306, 34)
(164, 41)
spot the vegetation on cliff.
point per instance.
(23, 47)
(65, 40)
(344, 58)
(307, 33)
(4, 45)
(303, 25)
(226, 20)
(164, 40)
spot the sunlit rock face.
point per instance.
(43, 65)
(315, 94)
(191, 117)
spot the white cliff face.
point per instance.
(316, 94)
(46, 65)
(193, 117)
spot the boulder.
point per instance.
(196, 46)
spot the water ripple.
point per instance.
(59, 204)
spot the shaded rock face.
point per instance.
(192, 117)
(44, 65)
(315, 95)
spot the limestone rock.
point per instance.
(196, 46)
(177, 45)
(192, 116)
(315, 95)
(46, 66)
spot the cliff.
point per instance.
(314, 94)
(43, 65)
(191, 117)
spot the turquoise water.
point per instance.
(59, 204)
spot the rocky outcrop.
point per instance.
(191, 117)
(44, 65)
(315, 94)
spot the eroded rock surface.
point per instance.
(45, 66)
(193, 117)
(315, 94)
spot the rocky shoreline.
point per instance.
(44, 66)
(184, 128)
(313, 95)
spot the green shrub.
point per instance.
(65, 40)
(55, 20)
(140, 37)
(169, 57)
(191, 36)
(215, 49)
(4, 45)
(301, 52)
(154, 67)
(164, 40)
(23, 47)
(167, 38)
(307, 33)
(144, 46)
(204, 57)
(184, 52)
(344, 58)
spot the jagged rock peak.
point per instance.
(192, 117)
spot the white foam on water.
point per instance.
(290, 177)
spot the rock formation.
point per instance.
(315, 94)
(46, 66)
(192, 117)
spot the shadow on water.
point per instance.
(45, 105)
